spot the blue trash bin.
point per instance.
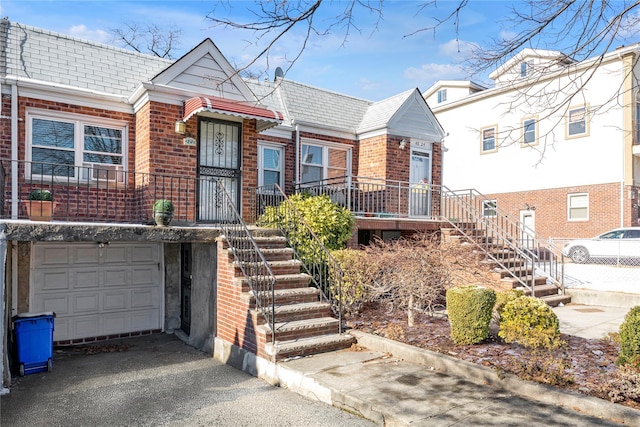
(34, 342)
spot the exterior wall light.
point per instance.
(403, 144)
(181, 127)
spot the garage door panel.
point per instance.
(84, 326)
(145, 298)
(98, 291)
(116, 322)
(145, 320)
(51, 280)
(145, 275)
(86, 279)
(115, 300)
(145, 254)
(116, 277)
(60, 328)
(87, 254)
(115, 254)
(59, 304)
(52, 256)
(85, 303)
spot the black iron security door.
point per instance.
(218, 160)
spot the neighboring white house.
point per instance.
(554, 143)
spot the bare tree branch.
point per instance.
(151, 38)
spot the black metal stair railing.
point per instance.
(317, 261)
(248, 256)
(463, 211)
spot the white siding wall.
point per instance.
(553, 163)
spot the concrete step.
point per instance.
(297, 329)
(543, 291)
(556, 300)
(539, 280)
(283, 281)
(263, 242)
(278, 268)
(281, 350)
(287, 296)
(301, 311)
(270, 254)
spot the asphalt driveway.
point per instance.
(151, 381)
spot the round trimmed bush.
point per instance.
(469, 309)
(529, 322)
(630, 339)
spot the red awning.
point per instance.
(265, 118)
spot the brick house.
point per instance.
(565, 167)
(108, 131)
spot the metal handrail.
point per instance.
(500, 230)
(248, 256)
(325, 272)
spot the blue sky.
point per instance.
(372, 64)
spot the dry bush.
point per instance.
(623, 385)
(414, 273)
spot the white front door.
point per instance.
(97, 290)
(528, 228)
(420, 183)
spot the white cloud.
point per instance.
(457, 48)
(81, 31)
(427, 74)
(369, 85)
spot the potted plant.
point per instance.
(40, 205)
(163, 212)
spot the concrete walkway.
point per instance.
(394, 384)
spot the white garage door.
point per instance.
(97, 291)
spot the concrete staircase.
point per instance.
(510, 264)
(304, 324)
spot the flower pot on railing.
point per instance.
(40, 205)
(163, 212)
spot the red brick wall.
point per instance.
(234, 324)
(551, 209)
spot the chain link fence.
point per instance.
(607, 263)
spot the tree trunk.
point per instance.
(410, 317)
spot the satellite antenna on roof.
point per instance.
(279, 73)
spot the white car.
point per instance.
(621, 243)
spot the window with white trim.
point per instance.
(321, 162)
(270, 165)
(442, 95)
(72, 146)
(577, 121)
(489, 208)
(529, 131)
(488, 139)
(578, 207)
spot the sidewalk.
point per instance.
(395, 384)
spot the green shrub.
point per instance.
(357, 273)
(470, 310)
(331, 223)
(630, 339)
(42, 195)
(502, 298)
(530, 322)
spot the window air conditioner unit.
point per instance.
(102, 172)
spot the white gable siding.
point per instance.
(557, 163)
(416, 121)
(207, 77)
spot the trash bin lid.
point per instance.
(24, 315)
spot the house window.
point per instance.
(529, 131)
(442, 95)
(523, 69)
(577, 122)
(324, 162)
(637, 124)
(489, 139)
(71, 146)
(578, 207)
(270, 165)
(489, 208)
